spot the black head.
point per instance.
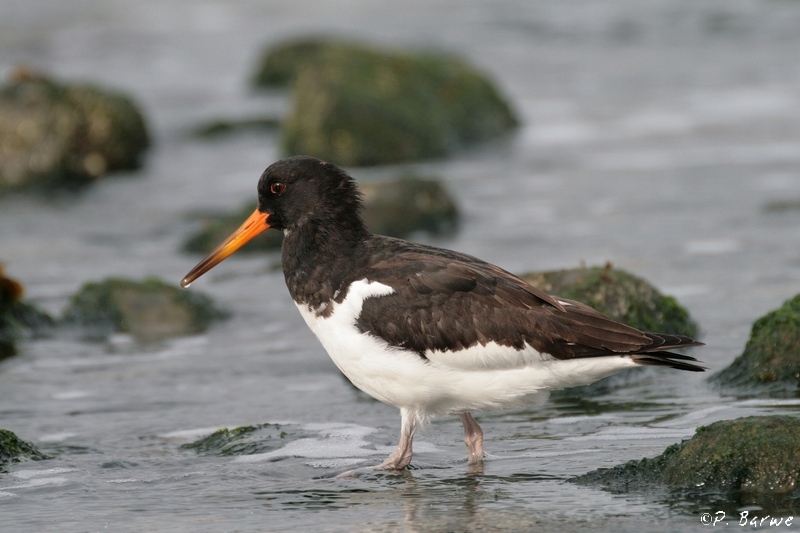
(302, 189)
(298, 193)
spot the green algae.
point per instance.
(770, 362)
(15, 450)
(244, 440)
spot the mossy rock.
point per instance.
(150, 310)
(15, 450)
(18, 319)
(63, 135)
(245, 440)
(770, 361)
(619, 295)
(396, 208)
(359, 106)
(752, 460)
(224, 126)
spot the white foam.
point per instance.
(582, 418)
(623, 434)
(191, 433)
(542, 455)
(767, 402)
(41, 482)
(57, 437)
(34, 473)
(713, 246)
(337, 441)
(71, 395)
(691, 419)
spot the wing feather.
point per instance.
(446, 301)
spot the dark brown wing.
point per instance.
(445, 301)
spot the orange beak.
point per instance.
(255, 224)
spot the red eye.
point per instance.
(277, 187)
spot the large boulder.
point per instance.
(770, 362)
(149, 311)
(15, 450)
(752, 460)
(397, 208)
(18, 319)
(360, 106)
(57, 134)
(619, 295)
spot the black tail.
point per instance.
(656, 354)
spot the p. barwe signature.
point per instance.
(746, 519)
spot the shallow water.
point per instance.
(655, 136)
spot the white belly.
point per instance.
(482, 377)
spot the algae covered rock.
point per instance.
(750, 459)
(244, 440)
(149, 311)
(56, 134)
(360, 106)
(771, 359)
(397, 208)
(15, 450)
(18, 319)
(224, 126)
(619, 295)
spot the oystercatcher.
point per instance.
(428, 330)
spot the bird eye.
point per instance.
(277, 187)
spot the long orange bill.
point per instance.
(255, 224)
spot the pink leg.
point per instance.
(401, 457)
(473, 438)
